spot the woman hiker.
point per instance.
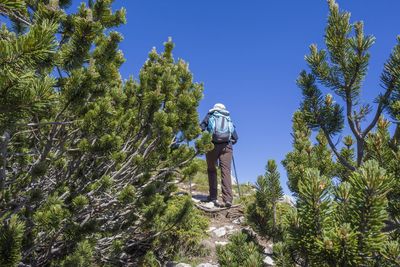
(218, 122)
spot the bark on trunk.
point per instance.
(3, 154)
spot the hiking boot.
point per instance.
(217, 204)
(209, 199)
(222, 205)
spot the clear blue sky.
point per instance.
(248, 54)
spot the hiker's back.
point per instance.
(220, 126)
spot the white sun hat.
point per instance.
(218, 106)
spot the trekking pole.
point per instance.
(236, 177)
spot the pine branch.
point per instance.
(390, 78)
(14, 14)
(383, 102)
(338, 155)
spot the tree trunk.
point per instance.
(3, 155)
(396, 138)
(274, 220)
(360, 151)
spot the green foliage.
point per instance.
(240, 251)
(23, 90)
(367, 204)
(81, 257)
(11, 236)
(312, 216)
(383, 149)
(347, 211)
(305, 155)
(51, 215)
(262, 213)
(182, 228)
(150, 260)
(90, 156)
(391, 254)
(282, 256)
(341, 227)
(80, 201)
(127, 194)
(342, 68)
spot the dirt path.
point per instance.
(223, 223)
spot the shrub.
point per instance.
(182, 229)
(241, 251)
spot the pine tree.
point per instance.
(11, 235)
(262, 213)
(241, 251)
(342, 68)
(347, 216)
(274, 187)
(88, 161)
(339, 226)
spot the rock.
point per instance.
(207, 265)
(268, 261)
(183, 265)
(221, 243)
(195, 200)
(239, 220)
(269, 249)
(220, 232)
(209, 205)
(229, 227)
(211, 229)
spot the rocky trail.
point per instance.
(223, 223)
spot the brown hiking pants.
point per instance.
(223, 154)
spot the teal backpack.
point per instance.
(221, 127)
